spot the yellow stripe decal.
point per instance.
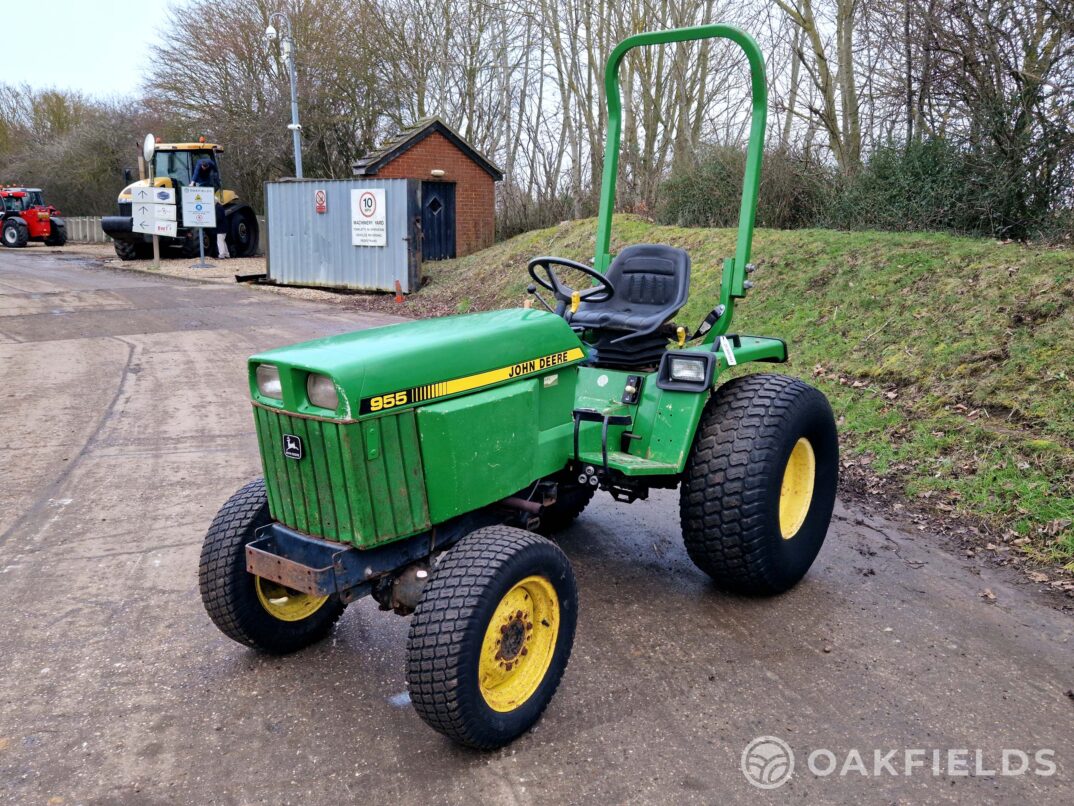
(419, 394)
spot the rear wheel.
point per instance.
(15, 234)
(246, 608)
(242, 232)
(759, 486)
(491, 636)
(571, 499)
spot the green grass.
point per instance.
(947, 359)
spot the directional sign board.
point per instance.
(199, 207)
(153, 226)
(159, 212)
(168, 229)
(164, 212)
(150, 195)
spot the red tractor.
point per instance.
(27, 218)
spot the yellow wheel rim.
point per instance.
(519, 644)
(797, 490)
(285, 604)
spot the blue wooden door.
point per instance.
(437, 220)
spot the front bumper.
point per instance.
(327, 568)
(120, 228)
(324, 567)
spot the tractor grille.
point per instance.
(359, 483)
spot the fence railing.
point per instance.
(87, 229)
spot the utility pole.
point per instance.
(287, 50)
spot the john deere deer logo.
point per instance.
(292, 446)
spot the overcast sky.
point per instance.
(97, 46)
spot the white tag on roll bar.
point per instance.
(728, 354)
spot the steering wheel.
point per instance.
(564, 294)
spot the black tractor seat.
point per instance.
(652, 282)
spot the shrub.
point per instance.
(929, 186)
(793, 190)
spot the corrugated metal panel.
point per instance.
(310, 248)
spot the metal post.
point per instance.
(287, 50)
(201, 251)
(296, 129)
(156, 240)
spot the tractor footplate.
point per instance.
(594, 416)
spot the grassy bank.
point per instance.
(947, 359)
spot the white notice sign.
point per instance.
(369, 223)
(199, 207)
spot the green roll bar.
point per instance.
(734, 269)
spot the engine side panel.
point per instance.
(486, 446)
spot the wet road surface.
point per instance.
(126, 425)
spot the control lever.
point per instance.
(714, 316)
(532, 289)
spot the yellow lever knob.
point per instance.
(680, 334)
(576, 300)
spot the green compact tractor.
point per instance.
(423, 463)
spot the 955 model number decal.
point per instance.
(431, 391)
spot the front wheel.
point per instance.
(129, 250)
(246, 608)
(759, 486)
(491, 636)
(15, 234)
(57, 236)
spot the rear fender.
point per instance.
(667, 420)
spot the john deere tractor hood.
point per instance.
(401, 365)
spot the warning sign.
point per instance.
(369, 224)
(320, 200)
(199, 207)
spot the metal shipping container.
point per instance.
(310, 235)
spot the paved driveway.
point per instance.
(126, 425)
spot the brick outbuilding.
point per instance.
(458, 201)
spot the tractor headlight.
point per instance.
(686, 371)
(268, 381)
(691, 370)
(322, 391)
